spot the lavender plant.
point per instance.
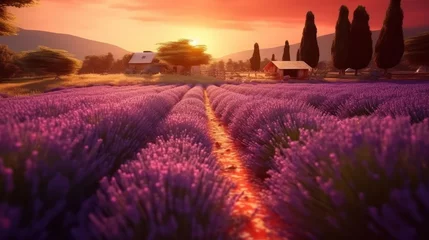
(360, 178)
(171, 191)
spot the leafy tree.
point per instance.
(389, 48)
(265, 62)
(182, 53)
(235, 67)
(255, 61)
(49, 61)
(360, 48)
(309, 49)
(273, 57)
(241, 66)
(97, 64)
(6, 18)
(340, 45)
(229, 65)
(8, 68)
(298, 58)
(120, 65)
(417, 50)
(221, 65)
(286, 52)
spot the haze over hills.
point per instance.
(79, 47)
(324, 42)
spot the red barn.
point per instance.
(293, 69)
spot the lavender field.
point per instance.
(328, 161)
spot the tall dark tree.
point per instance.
(255, 61)
(360, 48)
(273, 57)
(309, 49)
(340, 45)
(286, 52)
(389, 48)
(298, 58)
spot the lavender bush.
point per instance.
(360, 178)
(57, 162)
(171, 191)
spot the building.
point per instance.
(140, 60)
(293, 69)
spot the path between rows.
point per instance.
(233, 168)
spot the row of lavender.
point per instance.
(172, 190)
(52, 158)
(350, 100)
(332, 178)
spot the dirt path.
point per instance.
(229, 159)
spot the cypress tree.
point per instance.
(273, 57)
(297, 55)
(340, 45)
(309, 50)
(389, 48)
(360, 48)
(255, 61)
(286, 52)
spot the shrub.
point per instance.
(361, 178)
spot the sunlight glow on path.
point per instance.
(229, 159)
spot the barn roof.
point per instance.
(291, 65)
(142, 57)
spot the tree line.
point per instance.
(48, 61)
(352, 46)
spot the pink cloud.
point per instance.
(241, 14)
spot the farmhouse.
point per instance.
(146, 62)
(294, 69)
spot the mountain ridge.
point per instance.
(78, 46)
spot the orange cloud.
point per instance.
(241, 14)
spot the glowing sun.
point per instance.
(193, 42)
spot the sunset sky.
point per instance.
(225, 26)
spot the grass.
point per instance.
(28, 86)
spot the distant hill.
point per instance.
(324, 42)
(79, 47)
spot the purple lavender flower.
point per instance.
(367, 176)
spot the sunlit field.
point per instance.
(26, 86)
(225, 161)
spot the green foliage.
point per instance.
(340, 45)
(286, 52)
(255, 61)
(360, 48)
(265, 62)
(120, 65)
(98, 64)
(17, 3)
(49, 61)
(309, 49)
(389, 48)
(182, 53)
(221, 65)
(298, 58)
(8, 68)
(417, 49)
(6, 18)
(230, 65)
